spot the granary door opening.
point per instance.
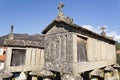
(81, 49)
(18, 57)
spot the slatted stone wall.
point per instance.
(59, 47)
(58, 50)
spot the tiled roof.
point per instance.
(35, 40)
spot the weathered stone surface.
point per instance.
(116, 74)
(109, 68)
(34, 59)
(59, 49)
(78, 77)
(69, 48)
(71, 77)
(68, 77)
(109, 73)
(44, 72)
(5, 74)
(112, 78)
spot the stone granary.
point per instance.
(24, 52)
(64, 51)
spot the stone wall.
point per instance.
(34, 60)
(58, 50)
(61, 53)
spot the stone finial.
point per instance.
(61, 17)
(11, 35)
(43, 72)
(116, 66)
(11, 29)
(103, 31)
(97, 72)
(61, 5)
(109, 68)
(60, 14)
(46, 72)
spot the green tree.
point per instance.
(118, 55)
(117, 46)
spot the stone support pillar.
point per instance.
(116, 71)
(108, 71)
(96, 74)
(95, 78)
(71, 77)
(78, 77)
(47, 78)
(46, 74)
(67, 77)
(34, 77)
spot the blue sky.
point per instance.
(32, 16)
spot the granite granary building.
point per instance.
(64, 51)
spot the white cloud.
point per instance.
(91, 28)
(112, 34)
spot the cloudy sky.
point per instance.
(32, 16)
(110, 33)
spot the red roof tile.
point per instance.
(2, 57)
(118, 52)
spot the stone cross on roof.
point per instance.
(11, 35)
(12, 28)
(61, 17)
(61, 5)
(103, 28)
(103, 31)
